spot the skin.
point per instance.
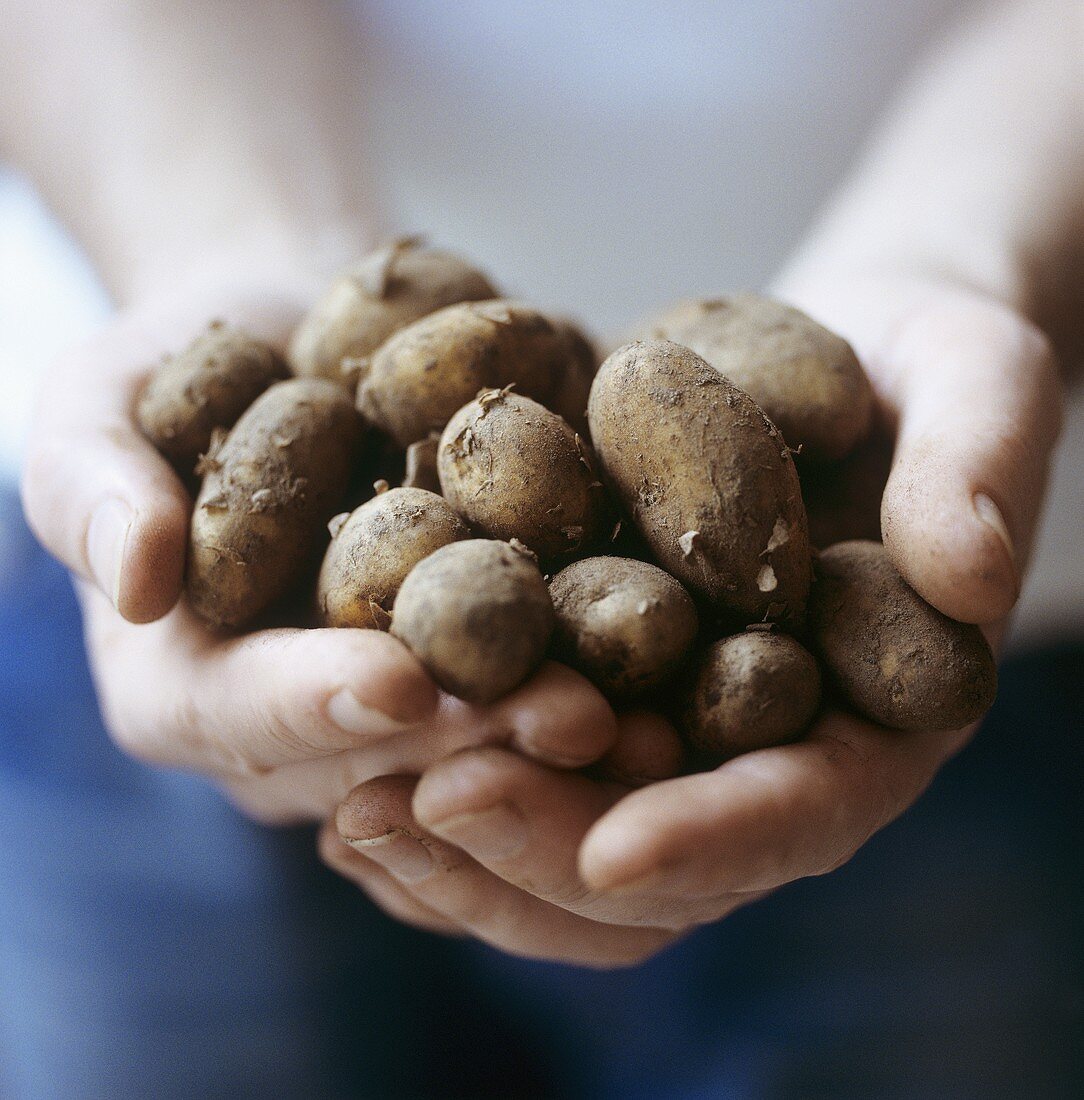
(955, 235)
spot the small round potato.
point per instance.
(514, 470)
(267, 494)
(624, 624)
(706, 478)
(807, 380)
(751, 691)
(424, 373)
(387, 289)
(373, 550)
(478, 615)
(896, 659)
(206, 387)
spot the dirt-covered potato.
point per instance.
(478, 615)
(374, 548)
(514, 470)
(387, 289)
(807, 380)
(624, 624)
(705, 476)
(750, 691)
(268, 492)
(206, 387)
(424, 373)
(896, 659)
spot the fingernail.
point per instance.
(400, 854)
(494, 834)
(350, 714)
(990, 514)
(106, 539)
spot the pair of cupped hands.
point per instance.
(478, 820)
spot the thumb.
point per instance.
(95, 492)
(980, 411)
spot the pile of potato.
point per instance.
(642, 521)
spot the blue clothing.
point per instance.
(155, 943)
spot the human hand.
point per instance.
(572, 869)
(287, 720)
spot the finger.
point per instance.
(765, 818)
(95, 492)
(381, 888)
(558, 717)
(239, 706)
(648, 749)
(376, 820)
(980, 405)
(525, 823)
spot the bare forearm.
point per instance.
(978, 175)
(209, 136)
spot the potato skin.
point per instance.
(423, 374)
(807, 379)
(896, 659)
(268, 492)
(478, 615)
(206, 387)
(705, 476)
(385, 290)
(750, 691)
(374, 549)
(625, 624)
(514, 470)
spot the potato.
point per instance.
(374, 548)
(624, 624)
(514, 470)
(807, 380)
(750, 691)
(387, 289)
(206, 387)
(424, 373)
(478, 615)
(267, 494)
(705, 476)
(896, 659)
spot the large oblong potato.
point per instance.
(424, 373)
(206, 386)
(385, 290)
(750, 691)
(896, 659)
(267, 494)
(374, 549)
(625, 624)
(515, 470)
(705, 476)
(807, 379)
(478, 615)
